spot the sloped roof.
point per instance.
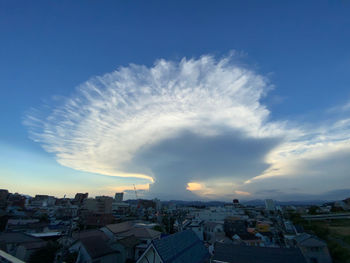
(120, 227)
(139, 232)
(17, 238)
(90, 233)
(97, 247)
(213, 224)
(230, 253)
(34, 245)
(307, 240)
(130, 241)
(181, 247)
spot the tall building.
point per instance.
(158, 204)
(100, 205)
(270, 205)
(119, 197)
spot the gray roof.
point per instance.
(143, 233)
(17, 238)
(181, 247)
(230, 253)
(97, 247)
(130, 241)
(120, 227)
(90, 233)
(307, 240)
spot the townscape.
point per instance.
(106, 229)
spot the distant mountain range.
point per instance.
(255, 202)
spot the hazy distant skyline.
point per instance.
(187, 101)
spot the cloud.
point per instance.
(238, 192)
(188, 128)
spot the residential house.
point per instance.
(235, 225)
(128, 248)
(127, 229)
(179, 247)
(20, 245)
(230, 253)
(197, 227)
(95, 249)
(313, 248)
(213, 231)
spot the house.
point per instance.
(128, 248)
(140, 231)
(248, 239)
(230, 253)
(197, 227)
(180, 247)
(213, 231)
(20, 245)
(235, 225)
(129, 228)
(95, 249)
(69, 240)
(314, 249)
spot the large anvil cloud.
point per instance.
(195, 124)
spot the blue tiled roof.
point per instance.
(182, 247)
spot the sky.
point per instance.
(186, 100)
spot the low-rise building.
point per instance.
(313, 248)
(179, 247)
(230, 253)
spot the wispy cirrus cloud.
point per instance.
(194, 125)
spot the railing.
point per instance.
(5, 257)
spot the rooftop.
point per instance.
(181, 247)
(230, 253)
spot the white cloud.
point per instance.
(110, 119)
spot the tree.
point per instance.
(158, 228)
(46, 254)
(313, 210)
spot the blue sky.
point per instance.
(49, 48)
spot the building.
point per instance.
(313, 248)
(80, 197)
(100, 205)
(3, 198)
(235, 226)
(128, 248)
(95, 249)
(180, 247)
(197, 227)
(43, 201)
(270, 205)
(119, 197)
(158, 204)
(213, 231)
(20, 245)
(142, 232)
(230, 253)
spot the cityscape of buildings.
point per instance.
(104, 229)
